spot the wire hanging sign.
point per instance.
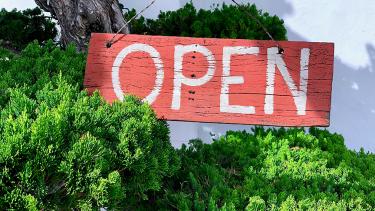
(281, 50)
(111, 41)
(238, 81)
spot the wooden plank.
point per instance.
(216, 80)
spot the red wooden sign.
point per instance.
(216, 80)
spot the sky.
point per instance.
(349, 25)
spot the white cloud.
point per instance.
(355, 86)
(346, 23)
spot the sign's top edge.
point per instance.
(120, 36)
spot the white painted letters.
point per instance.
(227, 79)
(179, 78)
(155, 55)
(300, 96)
(274, 60)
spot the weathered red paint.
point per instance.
(137, 75)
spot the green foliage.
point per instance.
(19, 28)
(64, 149)
(37, 65)
(275, 169)
(227, 21)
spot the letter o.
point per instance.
(155, 55)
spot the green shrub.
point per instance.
(19, 28)
(273, 169)
(227, 21)
(64, 149)
(37, 65)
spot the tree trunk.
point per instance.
(78, 18)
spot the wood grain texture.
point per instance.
(137, 75)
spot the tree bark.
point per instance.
(79, 18)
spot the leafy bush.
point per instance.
(64, 149)
(37, 65)
(227, 21)
(275, 169)
(19, 28)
